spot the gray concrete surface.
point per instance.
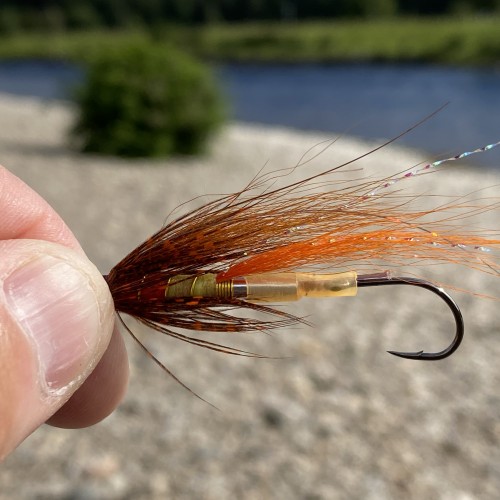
(335, 418)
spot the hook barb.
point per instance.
(381, 279)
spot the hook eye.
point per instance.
(382, 279)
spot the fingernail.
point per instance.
(55, 305)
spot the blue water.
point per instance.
(374, 101)
(365, 100)
(45, 79)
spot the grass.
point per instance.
(473, 41)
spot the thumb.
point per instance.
(56, 319)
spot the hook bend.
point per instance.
(381, 279)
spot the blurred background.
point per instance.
(117, 112)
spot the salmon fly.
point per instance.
(314, 237)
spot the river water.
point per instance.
(365, 100)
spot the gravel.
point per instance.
(333, 417)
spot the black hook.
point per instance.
(381, 279)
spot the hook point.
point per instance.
(408, 355)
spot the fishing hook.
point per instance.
(381, 279)
(291, 286)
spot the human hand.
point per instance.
(60, 360)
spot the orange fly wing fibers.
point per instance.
(394, 247)
(358, 223)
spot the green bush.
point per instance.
(145, 100)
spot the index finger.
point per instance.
(26, 215)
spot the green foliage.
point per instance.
(45, 15)
(145, 100)
(436, 40)
(81, 15)
(380, 8)
(10, 20)
(428, 40)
